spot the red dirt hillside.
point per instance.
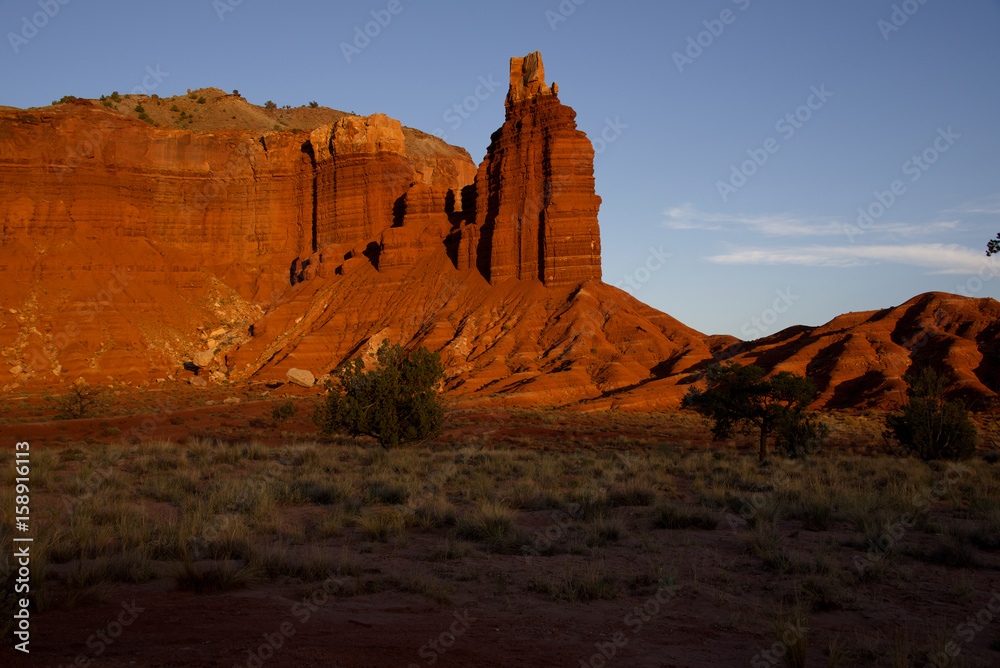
(859, 359)
(141, 234)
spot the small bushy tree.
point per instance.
(82, 401)
(397, 401)
(739, 398)
(798, 434)
(930, 426)
(282, 413)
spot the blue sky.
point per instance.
(745, 135)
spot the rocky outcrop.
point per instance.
(527, 80)
(422, 223)
(535, 205)
(300, 377)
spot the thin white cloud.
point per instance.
(686, 217)
(985, 206)
(939, 258)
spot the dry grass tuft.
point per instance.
(669, 516)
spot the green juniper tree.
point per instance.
(930, 426)
(739, 398)
(397, 401)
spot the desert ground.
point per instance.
(186, 528)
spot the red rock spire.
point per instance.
(527, 79)
(536, 210)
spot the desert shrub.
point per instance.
(270, 106)
(671, 517)
(798, 434)
(816, 515)
(313, 104)
(986, 535)
(395, 402)
(952, 549)
(632, 493)
(790, 632)
(491, 522)
(318, 489)
(81, 401)
(381, 525)
(594, 584)
(930, 426)
(435, 512)
(283, 412)
(604, 530)
(202, 100)
(386, 489)
(116, 97)
(213, 577)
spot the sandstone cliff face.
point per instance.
(119, 240)
(535, 207)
